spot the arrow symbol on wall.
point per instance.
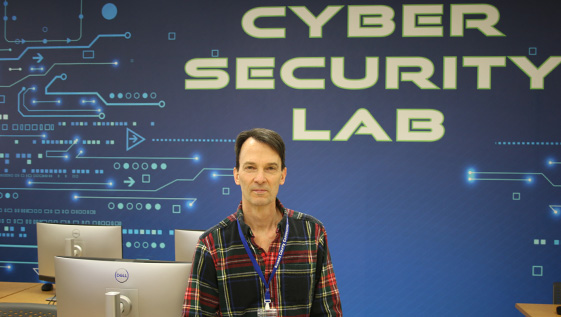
(39, 57)
(133, 139)
(130, 181)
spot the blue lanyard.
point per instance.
(258, 268)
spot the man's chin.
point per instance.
(258, 202)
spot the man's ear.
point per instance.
(283, 177)
(236, 176)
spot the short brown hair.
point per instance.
(269, 137)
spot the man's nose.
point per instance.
(260, 177)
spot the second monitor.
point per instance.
(77, 241)
(186, 244)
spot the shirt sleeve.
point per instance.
(201, 296)
(326, 298)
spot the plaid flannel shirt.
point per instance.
(223, 281)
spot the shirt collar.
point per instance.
(247, 230)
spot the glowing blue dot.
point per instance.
(14, 18)
(164, 166)
(158, 206)
(5, 18)
(109, 11)
(111, 95)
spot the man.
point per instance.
(263, 260)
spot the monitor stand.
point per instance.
(117, 305)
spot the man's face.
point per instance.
(260, 174)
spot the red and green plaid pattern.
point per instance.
(223, 281)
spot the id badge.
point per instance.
(271, 312)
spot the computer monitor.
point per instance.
(186, 243)
(75, 240)
(90, 287)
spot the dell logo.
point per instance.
(121, 275)
(75, 233)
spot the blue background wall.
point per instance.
(97, 127)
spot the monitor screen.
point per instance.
(75, 240)
(185, 244)
(85, 287)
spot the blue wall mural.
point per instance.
(424, 135)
